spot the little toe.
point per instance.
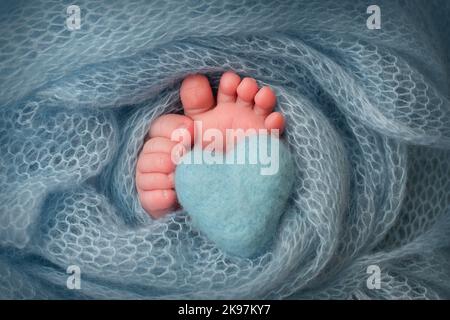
(275, 122)
(246, 92)
(196, 95)
(227, 87)
(264, 101)
(158, 202)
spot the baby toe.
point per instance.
(246, 92)
(228, 85)
(275, 122)
(196, 95)
(265, 101)
(155, 162)
(174, 127)
(158, 202)
(154, 181)
(158, 144)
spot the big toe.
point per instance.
(196, 95)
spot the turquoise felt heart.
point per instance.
(237, 203)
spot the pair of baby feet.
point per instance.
(240, 105)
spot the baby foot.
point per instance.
(240, 105)
(155, 168)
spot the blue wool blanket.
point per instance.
(367, 107)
